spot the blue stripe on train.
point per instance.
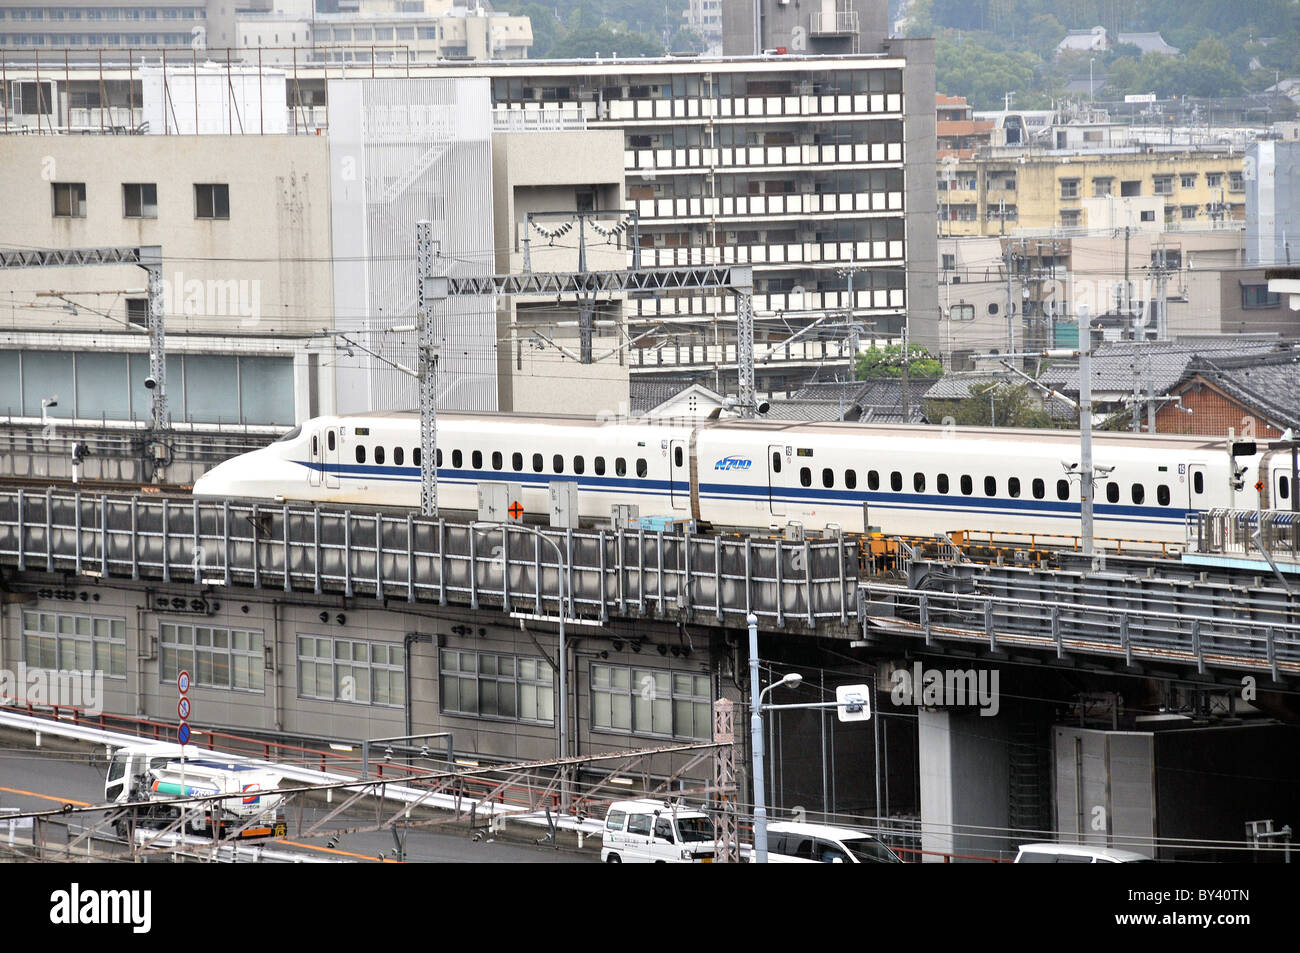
(758, 493)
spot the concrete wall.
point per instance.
(804, 27)
(276, 240)
(965, 782)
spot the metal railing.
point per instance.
(1204, 632)
(1251, 533)
(393, 555)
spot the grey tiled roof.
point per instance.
(645, 395)
(1270, 385)
(879, 400)
(1113, 362)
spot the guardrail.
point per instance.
(394, 555)
(1258, 533)
(1188, 632)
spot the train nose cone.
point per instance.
(215, 482)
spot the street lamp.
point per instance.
(756, 738)
(1091, 59)
(505, 528)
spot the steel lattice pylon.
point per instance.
(724, 780)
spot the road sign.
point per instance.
(183, 708)
(516, 510)
(183, 682)
(854, 702)
(183, 733)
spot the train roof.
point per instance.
(1062, 437)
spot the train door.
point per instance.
(332, 459)
(679, 474)
(1280, 488)
(1198, 487)
(777, 467)
(317, 459)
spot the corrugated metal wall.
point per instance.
(402, 150)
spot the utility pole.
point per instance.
(907, 359)
(1011, 324)
(427, 371)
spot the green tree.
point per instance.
(686, 41)
(546, 30)
(888, 362)
(991, 404)
(587, 43)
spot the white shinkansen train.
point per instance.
(738, 473)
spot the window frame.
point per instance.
(212, 191)
(142, 207)
(74, 194)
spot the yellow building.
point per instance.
(1151, 189)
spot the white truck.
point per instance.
(150, 775)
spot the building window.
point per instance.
(1069, 188)
(1147, 215)
(1214, 180)
(1187, 212)
(1236, 182)
(69, 199)
(962, 312)
(651, 702)
(1069, 218)
(212, 201)
(1164, 184)
(487, 685)
(1258, 296)
(215, 657)
(75, 643)
(347, 670)
(1130, 189)
(137, 312)
(1102, 187)
(140, 200)
(1187, 180)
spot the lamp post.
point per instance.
(1091, 59)
(756, 738)
(563, 739)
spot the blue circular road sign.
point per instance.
(183, 733)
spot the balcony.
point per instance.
(839, 23)
(755, 206)
(801, 253)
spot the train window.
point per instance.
(398, 456)
(537, 463)
(1283, 488)
(967, 485)
(579, 464)
(437, 459)
(896, 481)
(620, 466)
(457, 459)
(873, 480)
(516, 461)
(1039, 488)
(329, 439)
(918, 482)
(828, 478)
(851, 479)
(557, 463)
(677, 456)
(990, 486)
(1013, 487)
(805, 476)
(1062, 489)
(315, 446)
(477, 459)
(942, 482)
(497, 461)
(415, 456)
(600, 466)
(379, 454)
(361, 453)
(1138, 493)
(1198, 482)
(1112, 492)
(1162, 494)
(642, 468)
(776, 461)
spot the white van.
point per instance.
(656, 832)
(1077, 854)
(789, 842)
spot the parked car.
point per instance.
(656, 832)
(790, 842)
(1077, 854)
